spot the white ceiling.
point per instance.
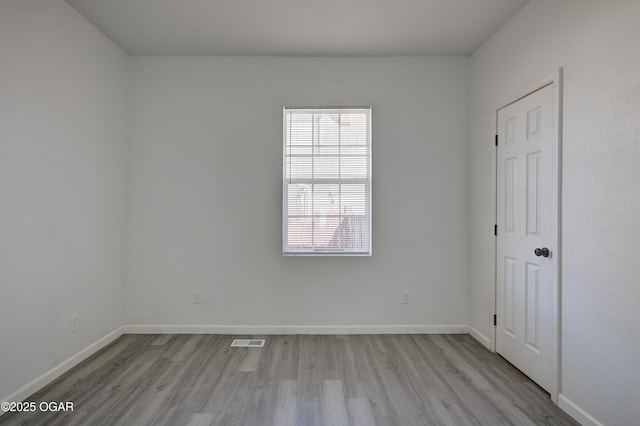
(298, 27)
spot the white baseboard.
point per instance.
(484, 340)
(576, 412)
(295, 329)
(66, 365)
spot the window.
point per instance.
(327, 181)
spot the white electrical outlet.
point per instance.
(405, 298)
(74, 323)
(197, 297)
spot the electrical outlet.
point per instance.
(74, 323)
(405, 298)
(197, 297)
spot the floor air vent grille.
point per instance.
(247, 343)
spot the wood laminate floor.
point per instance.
(367, 380)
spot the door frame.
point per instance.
(555, 79)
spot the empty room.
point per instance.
(344, 212)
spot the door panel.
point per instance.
(509, 296)
(510, 179)
(533, 194)
(532, 308)
(525, 213)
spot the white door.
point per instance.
(526, 267)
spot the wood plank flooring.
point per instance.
(200, 380)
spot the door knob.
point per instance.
(544, 252)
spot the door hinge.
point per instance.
(495, 320)
(496, 140)
(495, 230)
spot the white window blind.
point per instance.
(327, 181)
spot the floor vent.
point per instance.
(247, 343)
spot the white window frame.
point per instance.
(367, 182)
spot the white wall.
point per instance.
(62, 187)
(206, 193)
(597, 44)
